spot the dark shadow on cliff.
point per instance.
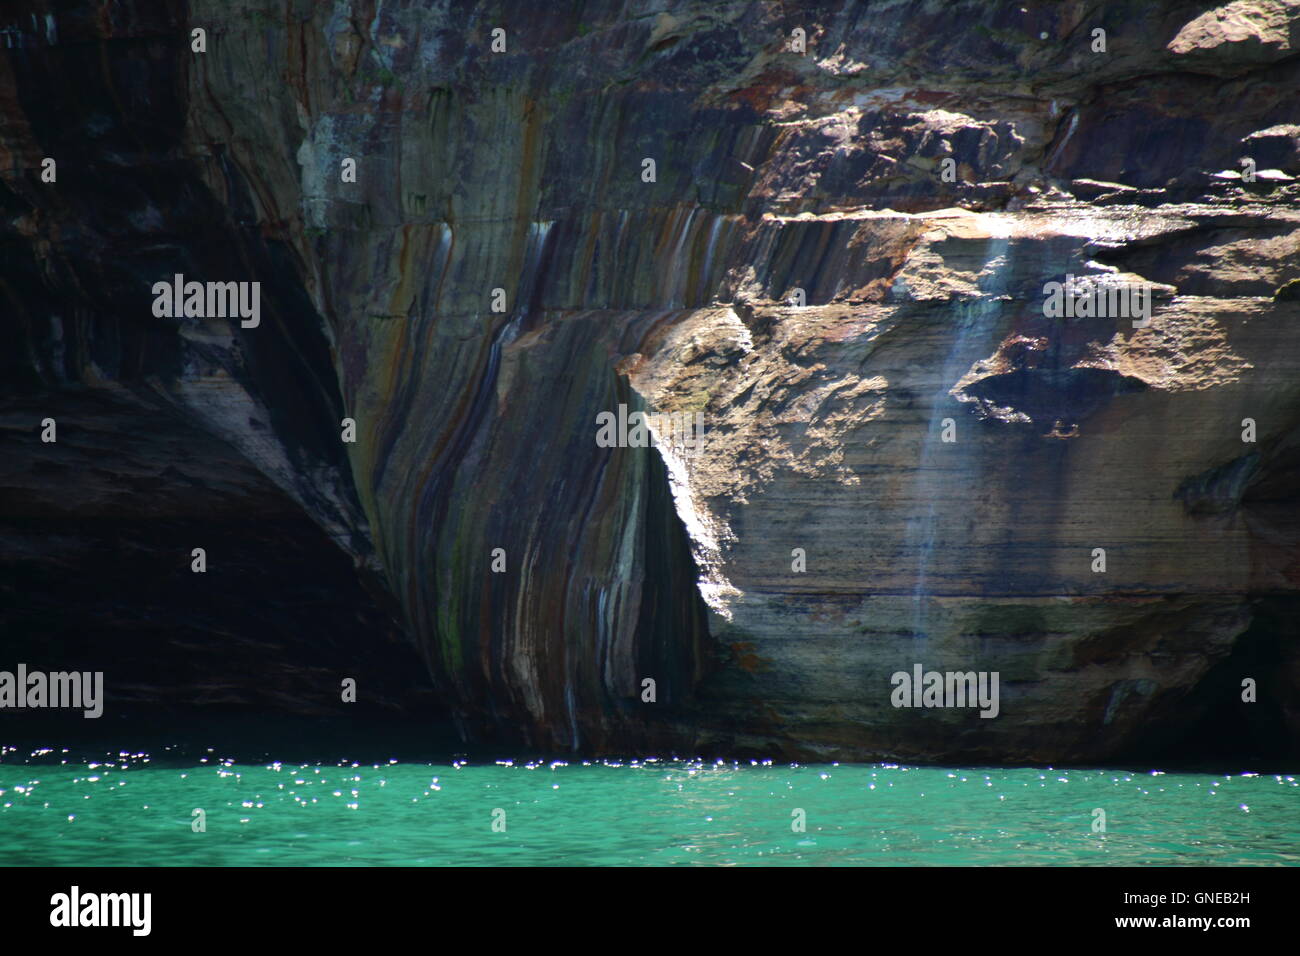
(97, 532)
(1231, 734)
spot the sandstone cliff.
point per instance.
(774, 171)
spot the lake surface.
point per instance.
(137, 809)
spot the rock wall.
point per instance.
(774, 171)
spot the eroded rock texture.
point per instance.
(775, 171)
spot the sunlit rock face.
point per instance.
(839, 262)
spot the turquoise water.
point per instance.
(137, 809)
